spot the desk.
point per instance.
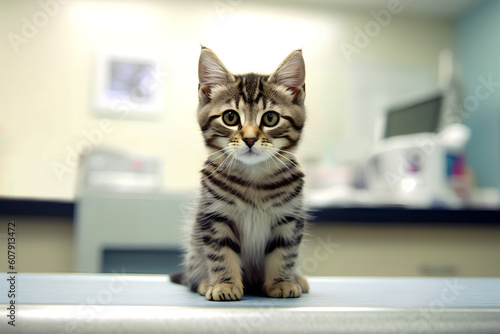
(118, 303)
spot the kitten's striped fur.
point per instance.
(250, 218)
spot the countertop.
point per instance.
(122, 303)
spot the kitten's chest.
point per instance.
(254, 229)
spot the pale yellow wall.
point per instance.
(46, 245)
(42, 244)
(370, 250)
(45, 87)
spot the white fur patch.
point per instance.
(255, 229)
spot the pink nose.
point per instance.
(249, 141)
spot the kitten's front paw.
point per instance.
(224, 291)
(202, 288)
(304, 285)
(284, 290)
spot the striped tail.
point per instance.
(177, 277)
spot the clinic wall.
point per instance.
(46, 84)
(45, 244)
(42, 244)
(479, 51)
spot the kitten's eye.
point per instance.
(231, 118)
(270, 118)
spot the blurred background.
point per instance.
(100, 149)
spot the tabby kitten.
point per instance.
(250, 218)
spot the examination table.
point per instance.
(121, 303)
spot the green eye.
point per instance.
(270, 118)
(231, 118)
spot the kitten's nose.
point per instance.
(250, 141)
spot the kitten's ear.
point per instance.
(291, 73)
(211, 73)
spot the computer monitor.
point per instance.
(417, 116)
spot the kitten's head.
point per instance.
(251, 117)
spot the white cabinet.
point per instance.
(126, 222)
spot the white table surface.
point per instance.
(119, 303)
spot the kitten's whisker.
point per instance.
(230, 163)
(273, 157)
(291, 153)
(284, 164)
(313, 138)
(293, 162)
(221, 165)
(211, 161)
(223, 150)
(225, 163)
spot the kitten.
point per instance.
(250, 218)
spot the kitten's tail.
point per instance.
(182, 277)
(177, 277)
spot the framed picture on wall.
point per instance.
(127, 84)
